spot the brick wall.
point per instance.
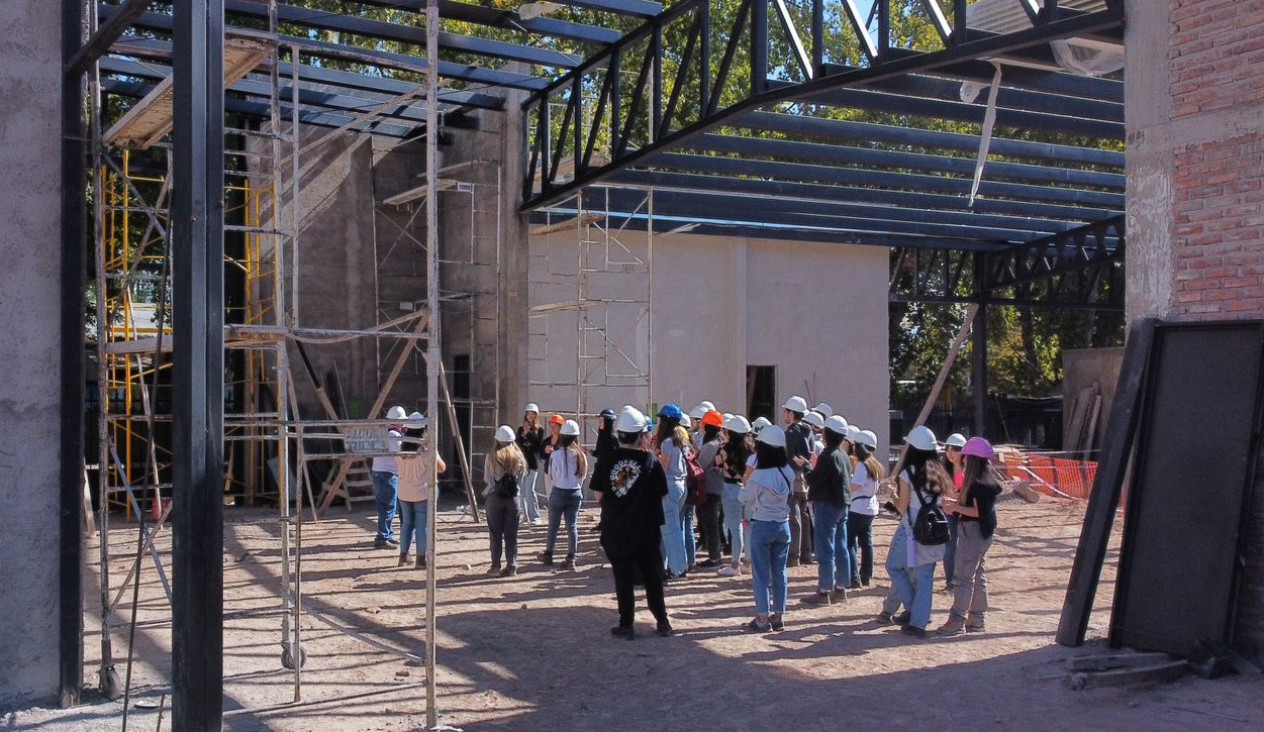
(1214, 60)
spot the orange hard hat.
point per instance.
(557, 419)
(713, 418)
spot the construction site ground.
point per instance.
(534, 652)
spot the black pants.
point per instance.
(860, 544)
(800, 528)
(649, 560)
(709, 522)
(502, 524)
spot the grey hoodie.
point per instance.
(767, 494)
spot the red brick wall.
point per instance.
(1215, 60)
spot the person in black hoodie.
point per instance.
(799, 453)
(976, 523)
(631, 484)
(606, 444)
(829, 490)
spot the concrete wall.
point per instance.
(1195, 188)
(30, 281)
(815, 312)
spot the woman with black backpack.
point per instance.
(505, 470)
(976, 516)
(918, 542)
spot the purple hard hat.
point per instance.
(978, 447)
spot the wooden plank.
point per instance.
(1100, 516)
(460, 446)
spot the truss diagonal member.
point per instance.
(1047, 258)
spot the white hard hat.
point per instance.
(922, 438)
(737, 424)
(708, 406)
(726, 415)
(698, 411)
(836, 424)
(417, 419)
(685, 421)
(760, 423)
(570, 427)
(852, 431)
(396, 413)
(868, 439)
(956, 439)
(505, 434)
(532, 407)
(814, 418)
(630, 419)
(826, 410)
(773, 436)
(796, 404)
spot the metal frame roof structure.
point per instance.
(754, 116)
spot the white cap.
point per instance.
(796, 404)
(826, 410)
(837, 425)
(532, 407)
(956, 439)
(685, 421)
(868, 439)
(396, 413)
(773, 436)
(570, 427)
(922, 438)
(737, 424)
(630, 419)
(505, 434)
(814, 418)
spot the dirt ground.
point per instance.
(534, 652)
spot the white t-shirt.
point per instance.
(386, 463)
(864, 492)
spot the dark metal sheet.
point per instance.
(1180, 563)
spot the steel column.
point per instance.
(197, 242)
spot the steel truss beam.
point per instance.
(636, 98)
(1075, 269)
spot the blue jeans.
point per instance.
(860, 546)
(673, 528)
(733, 520)
(415, 519)
(916, 585)
(529, 502)
(829, 534)
(691, 541)
(385, 488)
(769, 550)
(950, 549)
(564, 502)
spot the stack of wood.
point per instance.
(1081, 432)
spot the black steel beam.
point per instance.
(639, 8)
(70, 442)
(507, 19)
(197, 243)
(119, 19)
(1008, 97)
(1049, 258)
(887, 65)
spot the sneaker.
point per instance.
(509, 571)
(708, 563)
(776, 622)
(403, 560)
(493, 571)
(756, 626)
(385, 544)
(952, 627)
(664, 629)
(902, 618)
(914, 631)
(854, 585)
(730, 571)
(840, 594)
(884, 618)
(421, 561)
(568, 565)
(546, 558)
(974, 626)
(623, 631)
(818, 598)
(807, 560)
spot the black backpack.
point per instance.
(506, 485)
(930, 528)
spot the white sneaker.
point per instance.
(730, 571)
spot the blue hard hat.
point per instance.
(607, 414)
(671, 411)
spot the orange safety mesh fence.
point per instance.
(1058, 477)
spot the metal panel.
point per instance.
(1182, 553)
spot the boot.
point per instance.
(403, 560)
(546, 558)
(569, 564)
(421, 561)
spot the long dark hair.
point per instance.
(920, 466)
(710, 432)
(872, 464)
(979, 470)
(666, 428)
(769, 456)
(832, 439)
(735, 453)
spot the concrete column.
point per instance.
(30, 349)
